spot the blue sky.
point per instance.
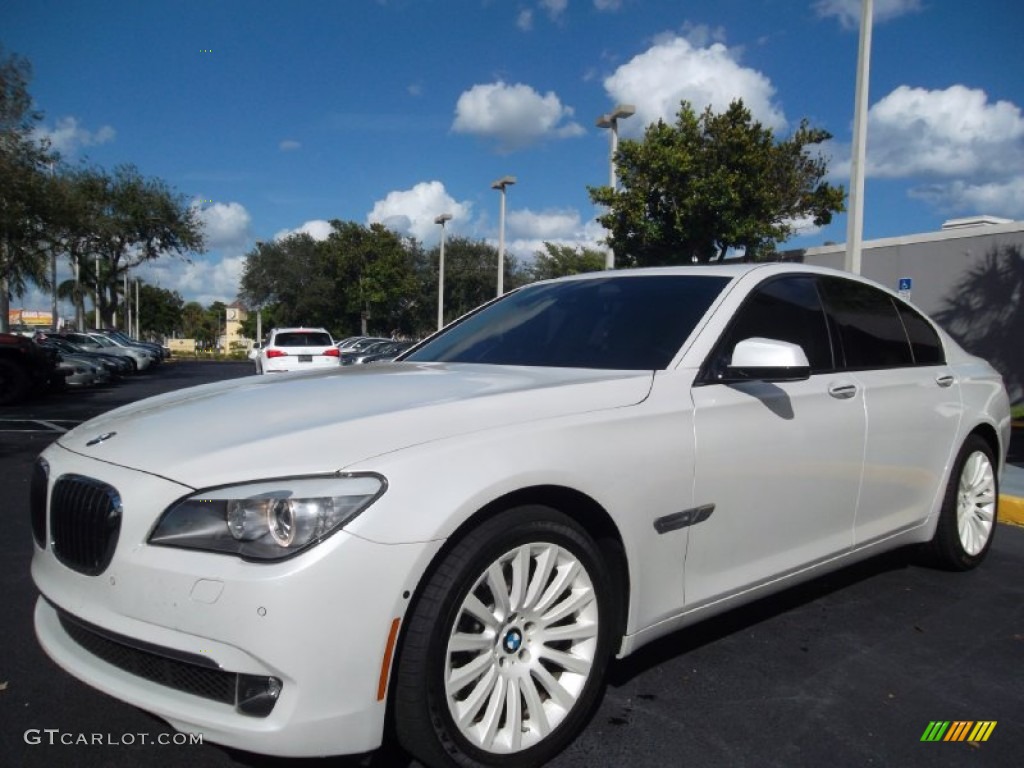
(274, 116)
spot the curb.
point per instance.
(1011, 510)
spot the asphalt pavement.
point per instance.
(847, 670)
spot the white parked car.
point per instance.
(460, 540)
(296, 349)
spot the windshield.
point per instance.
(620, 322)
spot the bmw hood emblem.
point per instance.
(101, 438)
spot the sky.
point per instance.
(276, 116)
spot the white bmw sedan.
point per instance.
(459, 542)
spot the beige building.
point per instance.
(234, 316)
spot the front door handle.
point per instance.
(842, 391)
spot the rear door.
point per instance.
(912, 399)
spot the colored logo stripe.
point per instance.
(958, 730)
(982, 730)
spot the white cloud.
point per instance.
(67, 136)
(546, 225)
(555, 8)
(998, 198)
(225, 225)
(804, 226)
(204, 280)
(674, 69)
(289, 145)
(527, 231)
(701, 35)
(848, 11)
(318, 229)
(954, 133)
(513, 115)
(411, 212)
(525, 20)
(607, 5)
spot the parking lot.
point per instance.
(848, 670)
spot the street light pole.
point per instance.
(444, 217)
(96, 292)
(501, 184)
(855, 218)
(259, 309)
(611, 120)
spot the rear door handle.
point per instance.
(843, 391)
(945, 380)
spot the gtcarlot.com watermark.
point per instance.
(57, 737)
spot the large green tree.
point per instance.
(376, 269)
(159, 310)
(295, 278)
(714, 183)
(130, 219)
(25, 208)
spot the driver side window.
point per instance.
(786, 309)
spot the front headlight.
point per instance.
(267, 520)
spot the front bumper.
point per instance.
(319, 623)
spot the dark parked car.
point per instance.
(24, 366)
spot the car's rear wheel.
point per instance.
(505, 649)
(969, 512)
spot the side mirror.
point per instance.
(758, 359)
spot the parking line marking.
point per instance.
(38, 425)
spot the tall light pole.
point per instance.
(855, 218)
(259, 309)
(440, 271)
(96, 293)
(500, 184)
(611, 120)
(53, 276)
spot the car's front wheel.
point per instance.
(505, 649)
(968, 519)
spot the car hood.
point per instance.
(290, 424)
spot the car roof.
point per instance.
(733, 270)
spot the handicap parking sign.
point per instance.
(906, 283)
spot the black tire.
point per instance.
(15, 382)
(967, 522)
(517, 652)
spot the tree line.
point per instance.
(366, 279)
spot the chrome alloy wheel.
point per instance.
(976, 503)
(521, 648)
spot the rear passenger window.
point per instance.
(870, 326)
(786, 309)
(924, 341)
